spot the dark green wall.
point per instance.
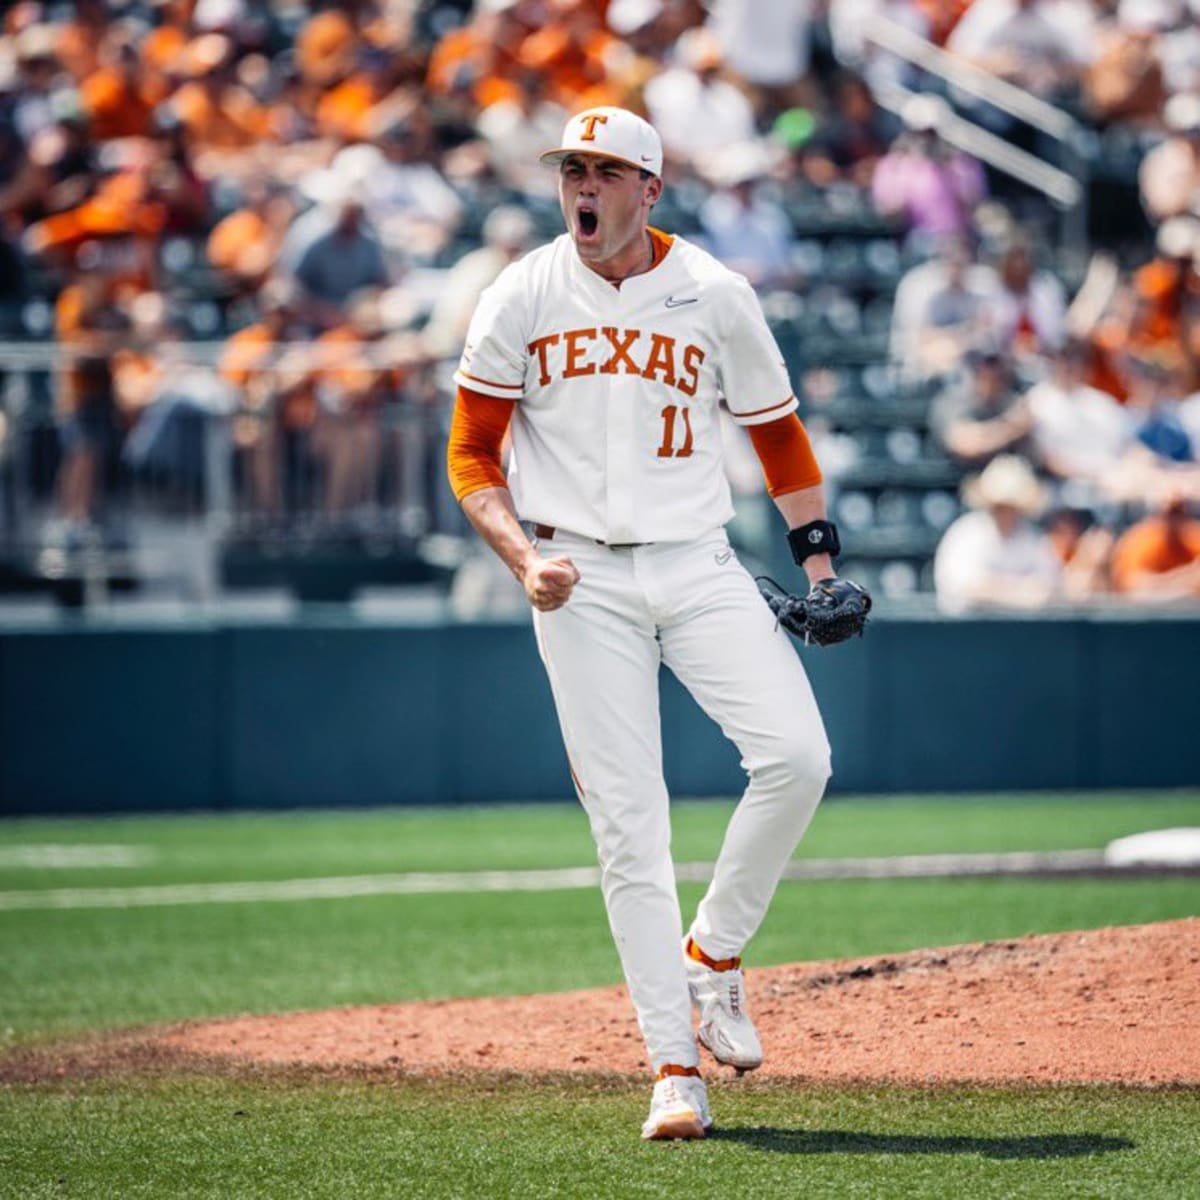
(331, 711)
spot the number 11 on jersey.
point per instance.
(667, 449)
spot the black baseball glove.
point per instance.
(834, 610)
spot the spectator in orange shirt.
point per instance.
(1160, 286)
(1147, 316)
(1158, 559)
(245, 244)
(352, 391)
(571, 48)
(79, 41)
(345, 111)
(160, 51)
(480, 58)
(269, 365)
(218, 113)
(112, 95)
(325, 48)
(86, 323)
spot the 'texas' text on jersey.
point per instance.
(577, 353)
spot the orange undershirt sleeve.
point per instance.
(476, 436)
(786, 455)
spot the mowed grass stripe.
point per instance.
(252, 847)
(911, 866)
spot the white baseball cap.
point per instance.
(610, 133)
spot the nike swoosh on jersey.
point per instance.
(671, 302)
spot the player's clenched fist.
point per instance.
(549, 582)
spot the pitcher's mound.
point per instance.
(1107, 1005)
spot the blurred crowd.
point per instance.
(346, 179)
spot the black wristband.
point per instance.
(817, 537)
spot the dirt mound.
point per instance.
(1108, 1005)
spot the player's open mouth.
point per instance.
(588, 221)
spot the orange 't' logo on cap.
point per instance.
(589, 122)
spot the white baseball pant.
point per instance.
(694, 607)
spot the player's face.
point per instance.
(605, 203)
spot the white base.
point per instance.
(1158, 848)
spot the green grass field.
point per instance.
(70, 972)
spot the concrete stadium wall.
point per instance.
(333, 711)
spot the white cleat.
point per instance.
(678, 1109)
(726, 1030)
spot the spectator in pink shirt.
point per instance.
(933, 189)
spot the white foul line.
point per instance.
(911, 866)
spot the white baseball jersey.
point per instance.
(615, 433)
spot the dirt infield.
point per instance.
(1115, 1005)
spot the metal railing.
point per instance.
(305, 452)
(1064, 186)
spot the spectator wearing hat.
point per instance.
(744, 228)
(995, 556)
(1158, 559)
(930, 188)
(1079, 434)
(980, 413)
(1169, 176)
(692, 104)
(332, 250)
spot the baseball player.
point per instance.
(605, 355)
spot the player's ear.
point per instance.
(654, 190)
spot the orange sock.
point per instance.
(713, 964)
(672, 1069)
